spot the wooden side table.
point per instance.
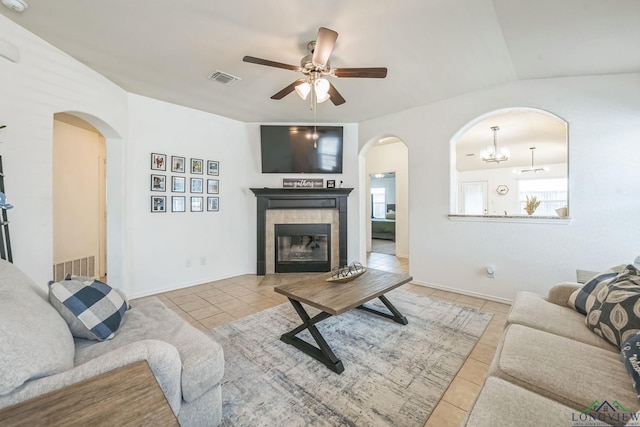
(127, 396)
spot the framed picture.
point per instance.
(177, 164)
(196, 166)
(196, 185)
(158, 162)
(178, 204)
(213, 186)
(177, 184)
(212, 204)
(158, 182)
(213, 168)
(158, 203)
(331, 183)
(196, 204)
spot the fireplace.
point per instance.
(302, 247)
(301, 207)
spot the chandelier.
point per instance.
(532, 168)
(491, 154)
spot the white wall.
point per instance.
(349, 178)
(177, 249)
(387, 158)
(45, 81)
(603, 113)
(76, 179)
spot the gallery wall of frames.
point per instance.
(190, 186)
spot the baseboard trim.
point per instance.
(463, 292)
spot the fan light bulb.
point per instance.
(303, 90)
(321, 88)
(322, 98)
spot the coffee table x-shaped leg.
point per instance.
(323, 351)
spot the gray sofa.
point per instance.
(549, 368)
(40, 355)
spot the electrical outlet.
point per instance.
(491, 272)
(203, 261)
(187, 262)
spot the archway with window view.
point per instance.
(511, 162)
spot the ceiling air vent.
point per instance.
(224, 78)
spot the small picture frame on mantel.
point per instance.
(331, 183)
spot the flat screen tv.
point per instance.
(291, 149)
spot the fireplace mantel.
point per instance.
(300, 198)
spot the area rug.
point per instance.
(394, 375)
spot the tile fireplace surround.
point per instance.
(300, 206)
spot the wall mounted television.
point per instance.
(290, 149)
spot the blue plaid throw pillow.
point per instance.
(92, 309)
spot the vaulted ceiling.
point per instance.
(433, 49)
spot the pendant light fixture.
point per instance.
(491, 154)
(533, 168)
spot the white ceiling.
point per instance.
(434, 49)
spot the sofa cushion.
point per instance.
(582, 300)
(92, 309)
(631, 357)
(504, 404)
(202, 357)
(34, 340)
(533, 310)
(615, 315)
(567, 371)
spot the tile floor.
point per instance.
(212, 304)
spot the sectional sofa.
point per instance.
(551, 369)
(39, 354)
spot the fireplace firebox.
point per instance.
(294, 199)
(302, 247)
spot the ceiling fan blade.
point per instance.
(335, 96)
(268, 63)
(369, 73)
(324, 46)
(287, 90)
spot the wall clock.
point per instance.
(502, 190)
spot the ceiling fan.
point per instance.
(315, 67)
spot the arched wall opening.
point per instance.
(115, 196)
(534, 147)
(384, 154)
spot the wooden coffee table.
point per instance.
(334, 299)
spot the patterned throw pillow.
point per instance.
(631, 357)
(92, 309)
(582, 300)
(615, 315)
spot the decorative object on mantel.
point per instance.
(347, 273)
(331, 183)
(502, 190)
(491, 154)
(302, 182)
(531, 205)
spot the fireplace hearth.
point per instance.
(301, 206)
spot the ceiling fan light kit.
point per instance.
(316, 67)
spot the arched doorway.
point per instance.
(384, 166)
(107, 167)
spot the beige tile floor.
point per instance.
(212, 304)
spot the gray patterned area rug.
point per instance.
(394, 375)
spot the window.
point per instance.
(378, 203)
(552, 194)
